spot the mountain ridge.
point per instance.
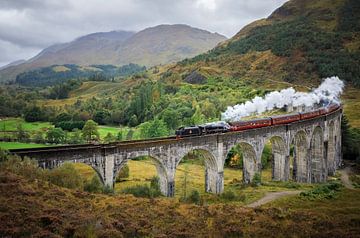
(161, 44)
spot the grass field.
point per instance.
(142, 171)
(87, 90)
(11, 124)
(19, 145)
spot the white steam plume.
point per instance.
(329, 91)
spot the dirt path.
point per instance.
(345, 177)
(271, 197)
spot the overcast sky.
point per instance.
(28, 26)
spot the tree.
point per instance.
(90, 131)
(198, 117)
(171, 118)
(63, 117)
(66, 176)
(119, 136)
(21, 134)
(109, 138)
(94, 186)
(155, 128)
(33, 114)
(350, 140)
(129, 135)
(76, 137)
(55, 135)
(133, 121)
(39, 137)
(101, 116)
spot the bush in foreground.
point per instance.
(327, 191)
(151, 191)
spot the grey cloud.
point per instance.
(36, 24)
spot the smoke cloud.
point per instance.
(328, 92)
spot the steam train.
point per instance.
(223, 127)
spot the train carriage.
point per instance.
(285, 119)
(309, 115)
(243, 125)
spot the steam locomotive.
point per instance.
(223, 127)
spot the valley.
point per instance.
(98, 93)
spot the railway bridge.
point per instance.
(316, 153)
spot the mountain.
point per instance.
(14, 63)
(299, 43)
(156, 45)
(166, 44)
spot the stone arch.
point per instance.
(279, 158)
(250, 162)
(58, 163)
(331, 147)
(214, 181)
(300, 142)
(160, 169)
(318, 161)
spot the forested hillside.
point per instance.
(56, 74)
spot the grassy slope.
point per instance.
(142, 171)
(19, 145)
(39, 209)
(11, 124)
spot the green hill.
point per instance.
(302, 41)
(56, 74)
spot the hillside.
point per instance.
(40, 209)
(156, 45)
(301, 42)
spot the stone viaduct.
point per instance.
(316, 153)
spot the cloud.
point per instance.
(32, 25)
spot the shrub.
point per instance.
(26, 168)
(327, 191)
(4, 155)
(194, 197)
(144, 190)
(231, 196)
(66, 176)
(94, 185)
(228, 195)
(108, 190)
(256, 180)
(70, 125)
(138, 190)
(155, 190)
(55, 135)
(124, 173)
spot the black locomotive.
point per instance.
(208, 128)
